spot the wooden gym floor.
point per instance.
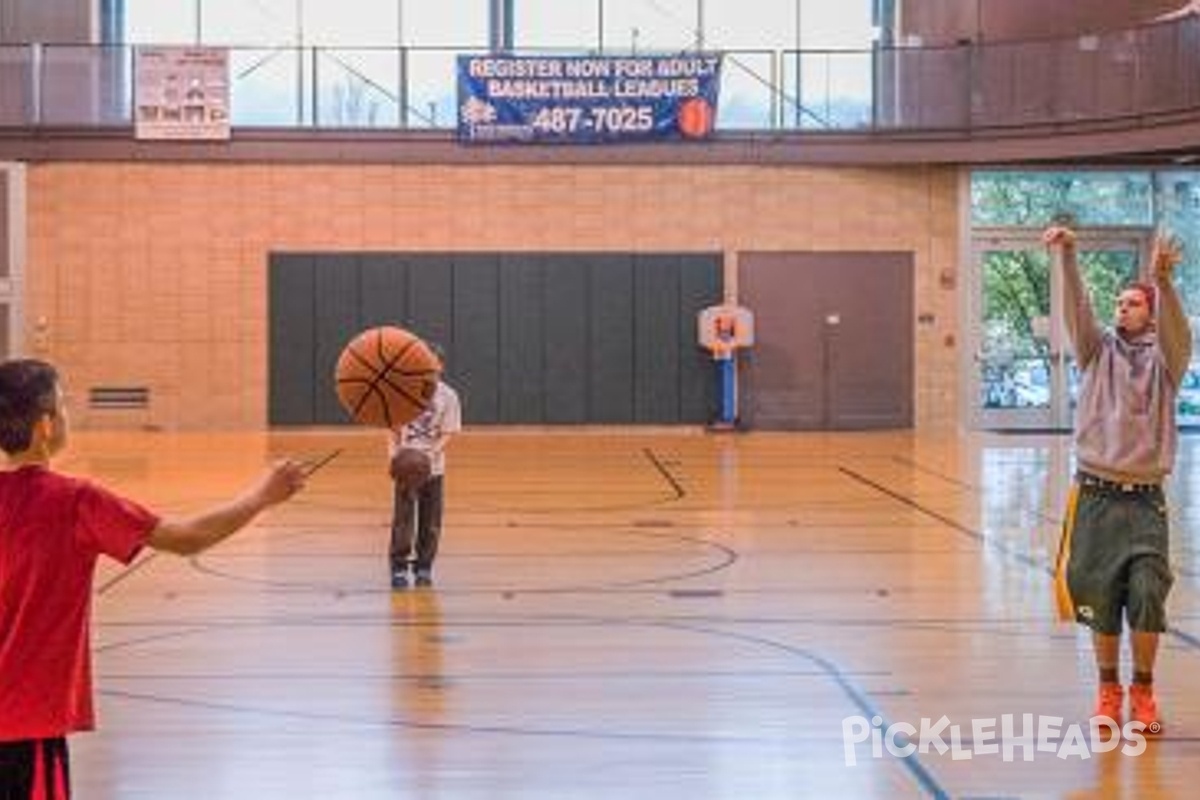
(666, 614)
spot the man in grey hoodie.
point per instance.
(1113, 563)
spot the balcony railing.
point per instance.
(1128, 74)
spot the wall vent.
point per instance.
(105, 398)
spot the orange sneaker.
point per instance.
(1143, 708)
(1111, 702)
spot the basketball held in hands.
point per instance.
(410, 468)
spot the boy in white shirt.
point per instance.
(417, 514)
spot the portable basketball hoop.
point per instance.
(723, 330)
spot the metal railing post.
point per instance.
(776, 93)
(36, 82)
(316, 89)
(402, 88)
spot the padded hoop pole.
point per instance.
(727, 375)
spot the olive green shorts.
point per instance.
(1114, 559)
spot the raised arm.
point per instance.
(1174, 333)
(1078, 315)
(194, 534)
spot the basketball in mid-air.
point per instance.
(386, 377)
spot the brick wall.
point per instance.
(155, 273)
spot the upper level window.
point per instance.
(772, 26)
(644, 26)
(160, 21)
(835, 25)
(444, 23)
(553, 24)
(583, 25)
(788, 25)
(236, 22)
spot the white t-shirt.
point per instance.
(430, 431)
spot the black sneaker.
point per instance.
(400, 579)
(424, 577)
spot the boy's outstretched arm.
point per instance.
(197, 533)
(1174, 333)
(1078, 315)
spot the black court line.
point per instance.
(821, 666)
(1016, 555)
(680, 492)
(310, 467)
(729, 556)
(370, 619)
(189, 629)
(314, 499)
(914, 465)
(125, 573)
(726, 557)
(511, 730)
(514, 677)
(908, 462)
(1019, 556)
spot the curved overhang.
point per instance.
(945, 22)
(1164, 139)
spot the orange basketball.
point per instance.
(410, 468)
(386, 377)
(695, 118)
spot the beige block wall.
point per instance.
(155, 274)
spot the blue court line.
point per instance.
(911, 763)
(1020, 556)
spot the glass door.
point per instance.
(1022, 373)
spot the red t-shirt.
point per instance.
(52, 529)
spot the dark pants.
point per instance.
(417, 525)
(35, 768)
(1117, 557)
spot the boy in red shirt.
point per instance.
(52, 530)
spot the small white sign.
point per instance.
(181, 93)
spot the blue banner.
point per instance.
(587, 99)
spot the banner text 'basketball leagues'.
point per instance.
(587, 99)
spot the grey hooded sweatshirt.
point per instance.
(1125, 418)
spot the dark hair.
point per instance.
(27, 393)
(1148, 291)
